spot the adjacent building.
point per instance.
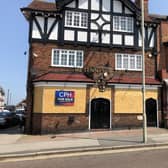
(21, 105)
(163, 64)
(85, 66)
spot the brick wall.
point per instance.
(92, 57)
(40, 62)
(54, 123)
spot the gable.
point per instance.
(117, 5)
(109, 23)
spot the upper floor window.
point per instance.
(123, 24)
(76, 19)
(67, 58)
(128, 62)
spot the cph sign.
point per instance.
(65, 98)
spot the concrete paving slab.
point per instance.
(38, 146)
(19, 143)
(9, 139)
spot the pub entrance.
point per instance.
(100, 113)
(151, 112)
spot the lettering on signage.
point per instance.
(64, 98)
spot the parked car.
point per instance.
(20, 114)
(8, 119)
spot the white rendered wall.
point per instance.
(129, 40)
(54, 33)
(69, 35)
(95, 4)
(72, 4)
(35, 31)
(106, 5)
(82, 36)
(83, 4)
(117, 39)
(117, 6)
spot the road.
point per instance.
(138, 159)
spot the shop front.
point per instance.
(80, 106)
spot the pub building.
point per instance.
(85, 66)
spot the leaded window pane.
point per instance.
(139, 62)
(130, 24)
(76, 19)
(123, 24)
(84, 20)
(79, 59)
(125, 62)
(128, 62)
(69, 18)
(67, 58)
(56, 57)
(132, 62)
(119, 61)
(64, 57)
(71, 58)
(116, 23)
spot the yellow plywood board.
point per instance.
(95, 93)
(130, 100)
(38, 99)
(49, 101)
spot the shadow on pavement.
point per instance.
(11, 130)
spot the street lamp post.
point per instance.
(143, 74)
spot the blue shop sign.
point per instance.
(64, 98)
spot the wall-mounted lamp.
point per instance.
(150, 55)
(105, 74)
(35, 55)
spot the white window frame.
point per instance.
(68, 52)
(81, 21)
(129, 56)
(126, 20)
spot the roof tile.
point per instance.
(55, 77)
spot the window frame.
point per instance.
(130, 57)
(123, 21)
(68, 55)
(74, 14)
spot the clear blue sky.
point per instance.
(14, 42)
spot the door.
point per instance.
(151, 112)
(100, 113)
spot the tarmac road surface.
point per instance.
(139, 159)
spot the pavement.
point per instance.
(14, 144)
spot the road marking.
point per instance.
(75, 154)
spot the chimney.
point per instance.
(138, 3)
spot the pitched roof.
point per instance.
(36, 5)
(71, 77)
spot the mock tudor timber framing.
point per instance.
(59, 16)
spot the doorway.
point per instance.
(100, 114)
(151, 112)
